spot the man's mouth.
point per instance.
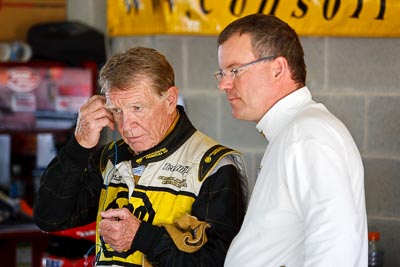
(134, 138)
(232, 98)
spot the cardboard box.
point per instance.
(17, 16)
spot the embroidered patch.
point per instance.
(173, 181)
(154, 154)
(211, 158)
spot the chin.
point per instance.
(237, 115)
(241, 116)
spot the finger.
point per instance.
(111, 124)
(118, 234)
(103, 226)
(111, 214)
(108, 228)
(90, 124)
(91, 113)
(94, 102)
(112, 234)
(120, 214)
(100, 123)
(95, 108)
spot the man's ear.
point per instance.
(172, 97)
(280, 67)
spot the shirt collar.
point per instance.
(280, 114)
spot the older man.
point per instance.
(165, 194)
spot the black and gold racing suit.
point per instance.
(187, 177)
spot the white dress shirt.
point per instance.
(308, 204)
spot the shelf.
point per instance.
(36, 98)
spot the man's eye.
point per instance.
(137, 108)
(116, 110)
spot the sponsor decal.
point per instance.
(176, 168)
(208, 159)
(154, 154)
(173, 181)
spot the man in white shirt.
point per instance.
(308, 204)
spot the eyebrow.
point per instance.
(233, 66)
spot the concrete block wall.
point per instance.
(358, 79)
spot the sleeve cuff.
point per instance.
(77, 153)
(146, 236)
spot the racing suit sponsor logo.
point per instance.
(154, 154)
(173, 181)
(176, 168)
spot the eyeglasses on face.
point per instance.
(230, 75)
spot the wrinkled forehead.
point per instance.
(126, 82)
(138, 93)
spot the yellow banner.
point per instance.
(363, 18)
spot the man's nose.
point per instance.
(225, 83)
(128, 121)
